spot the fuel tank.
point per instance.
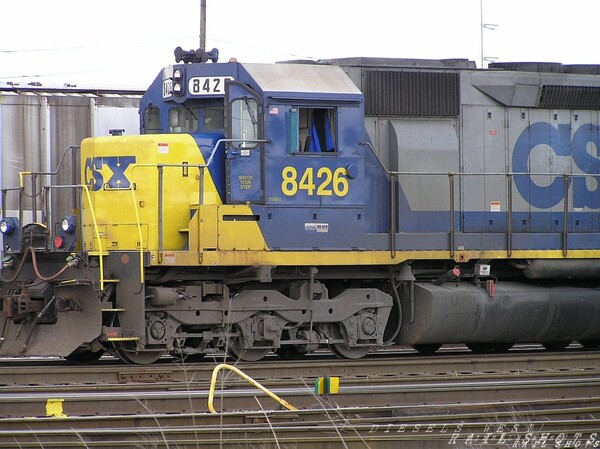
(515, 312)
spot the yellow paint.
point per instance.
(120, 215)
(346, 258)
(54, 408)
(327, 385)
(236, 234)
(213, 383)
(207, 228)
(325, 183)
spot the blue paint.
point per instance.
(560, 141)
(540, 134)
(117, 164)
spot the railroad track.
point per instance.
(383, 402)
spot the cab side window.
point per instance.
(315, 129)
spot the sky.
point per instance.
(125, 43)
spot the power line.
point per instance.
(87, 47)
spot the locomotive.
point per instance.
(351, 204)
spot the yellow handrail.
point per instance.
(139, 226)
(213, 382)
(21, 181)
(89, 198)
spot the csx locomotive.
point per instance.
(349, 204)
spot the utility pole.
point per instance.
(203, 24)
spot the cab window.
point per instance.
(214, 118)
(152, 121)
(244, 122)
(312, 130)
(182, 120)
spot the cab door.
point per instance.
(244, 130)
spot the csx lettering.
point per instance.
(578, 148)
(326, 182)
(95, 173)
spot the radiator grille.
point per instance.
(411, 93)
(569, 97)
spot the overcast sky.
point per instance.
(124, 43)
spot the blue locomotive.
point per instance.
(350, 204)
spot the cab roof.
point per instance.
(303, 80)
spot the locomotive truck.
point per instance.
(351, 204)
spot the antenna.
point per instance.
(203, 24)
(485, 26)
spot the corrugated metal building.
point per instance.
(38, 124)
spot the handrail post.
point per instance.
(4, 196)
(393, 214)
(97, 235)
(34, 197)
(452, 210)
(201, 190)
(139, 228)
(565, 239)
(509, 235)
(160, 211)
(47, 212)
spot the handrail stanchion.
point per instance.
(393, 214)
(452, 210)
(565, 239)
(509, 235)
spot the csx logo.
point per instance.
(582, 148)
(108, 172)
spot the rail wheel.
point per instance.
(556, 345)
(84, 357)
(427, 348)
(237, 351)
(489, 348)
(129, 354)
(343, 350)
(590, 344)
(127, 350)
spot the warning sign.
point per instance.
(495, 206)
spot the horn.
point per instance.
(213, 55)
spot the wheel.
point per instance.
(138, 357)
(556, 345)
(237, 351)
(84, 357)
(489, 348)
(342, 350)
(128, 353)
(427, 348)
(590, 344)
